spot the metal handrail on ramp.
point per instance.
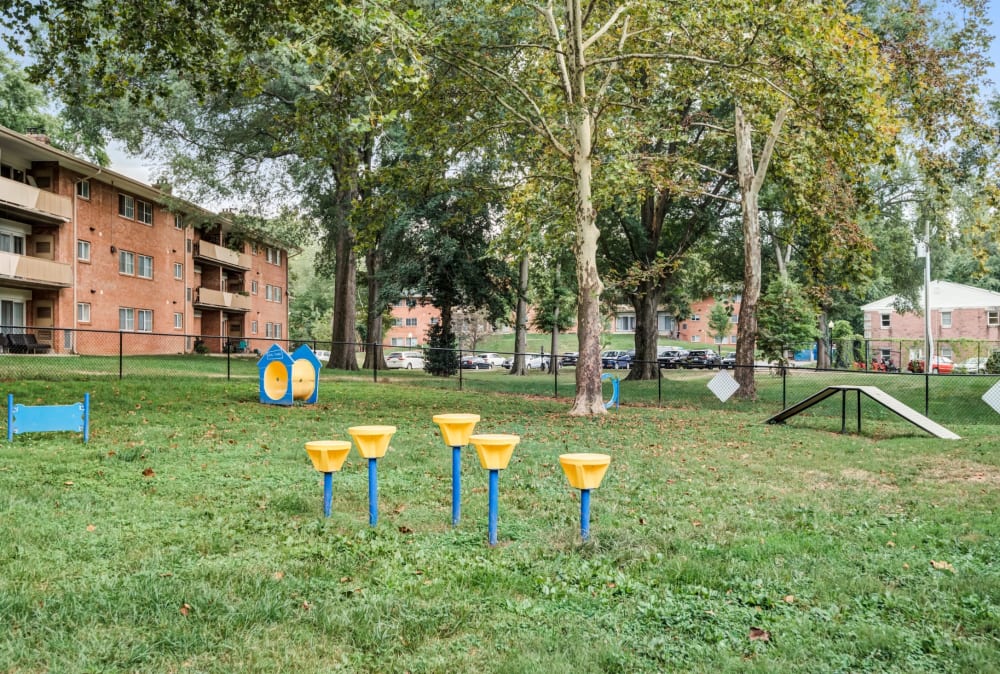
(876, 394)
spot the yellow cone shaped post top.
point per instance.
(328, 455)
(585, 471)
(372, 441)
(456, 428)
(494, 450)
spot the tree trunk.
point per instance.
(589, 397)
(344, 333)
(746, 329)
(750, 181)
(373, 354)
(521, 320)
(645, 303)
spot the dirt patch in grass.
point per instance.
(959, 471)
(881, 482)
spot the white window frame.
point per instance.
(126, 206)
(126, 319)
(144, 320)
(83, 250)
(253, 327)
(993, 317)
(885, 320)
(178, 221)
(140, 260)
(946, 319)
(126, 262)
(411, 322)
(695, 338)
(267, 292)
(268, 330)
(276, 294)
(178, 270)
(178, 321)
(83, 189)
(144, 212)
(254, 287)
(18, 241)
(83, 312)
(277, 331)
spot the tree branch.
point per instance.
(765, 155)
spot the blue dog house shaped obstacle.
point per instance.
(286, 378)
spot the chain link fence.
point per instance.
(62, 354)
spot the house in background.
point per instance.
(87, 254)
(957, 312)
(411, 318)
(693, 328)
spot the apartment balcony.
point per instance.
(33, 204)
(206, 298)
(222, 256)
(34, 272)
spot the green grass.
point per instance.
(188, 536)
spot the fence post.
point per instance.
(459, 369)
(784, 387)
(555, 376)
(659, 385)
(229, 366)
(121, 351)
(376, 357)
(927, 388)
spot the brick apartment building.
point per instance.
(411, 318)
(85, 251)
(958, 312)
(693, 328)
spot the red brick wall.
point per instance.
(421, 314)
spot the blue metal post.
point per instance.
(585, 514)
(86, 417)
(10, 417)
(327, 493)
(494, 494)
(456, 485)
(372, 492)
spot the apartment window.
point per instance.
(945, 319)
(83, 312)
(695, 338)
(993, 317)
(12, 315)
(696, 317)
(273, 255)
(396, 341)
(12, 242)
(276, 294)
(83, 251)
(178, 221)
(145, 323)
(187, 245)
(254, 288)
(732, 339)
(126, 206)
(145, 269)
(83, 189)
(178, 270)
(277, 330)
(885, 320)
(267, 292)
(411, 322)
(625, 324)
(434, 320)
(126, 319)
(126, 262)
(397, 322)
(253, 327)
(735, 318)
(178, 321)
(411, 341)
(254, 249)
(144, 211)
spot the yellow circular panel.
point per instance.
(275, 380)
(303, 380)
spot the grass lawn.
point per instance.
(188, 536)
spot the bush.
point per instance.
(993, 363)
(915, 366)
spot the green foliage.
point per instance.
(786, 319)
(720, 321)
(440, 357)
(993, 363)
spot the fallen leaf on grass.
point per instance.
(278, 575)
(943, 566)
(68, 483)
(306, 605)
(789, 599)
(148, 472)
(185, 609)
(405, 530)
(91, 527)
(757, 634)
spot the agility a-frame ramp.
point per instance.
(876, 394)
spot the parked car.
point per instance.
(939, 365)
(405, 360)
(975, 366)
(508, 362)
(701, 358)
(538, 363)
(494, 359)
(569, 358)
(671, 358)
(474, 363)
(616, 360)
(728, 361)
(322, 355)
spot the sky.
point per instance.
(135, 168)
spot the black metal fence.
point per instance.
(75, 354)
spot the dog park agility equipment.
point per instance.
(45, 418)
(585, 472)
(455, 431)
(286, 378)
(372, 443)
(328, 457)
(615, 391)
(494, 452)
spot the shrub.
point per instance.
(993, 363)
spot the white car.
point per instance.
(322, 356)
(405, 360)
(494, 359)
(975, 366)
(537, 363)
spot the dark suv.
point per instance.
(671, 359)
(705, 358)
